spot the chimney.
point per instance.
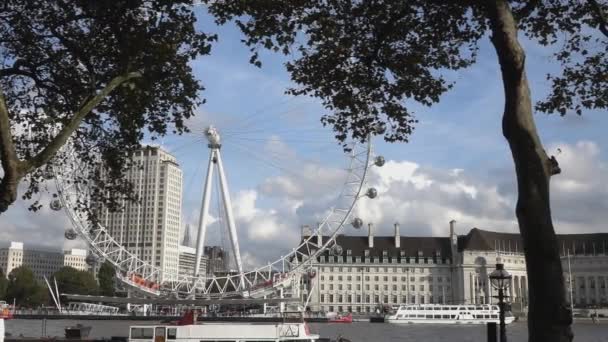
(452, 226)
(397, 236)
(453, 242)
(370, 236)
(306, 231)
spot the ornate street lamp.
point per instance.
(501, 280)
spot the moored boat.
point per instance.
(341, 319)
(223, 331)
(448, 314)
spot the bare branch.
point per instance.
(49, 151)
(600, 16)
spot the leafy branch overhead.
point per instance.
(369, 61)
(104, 73)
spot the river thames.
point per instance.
(356, 332)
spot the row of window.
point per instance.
(386, 278)
(386, 299)
(340, 269)
(385, 287)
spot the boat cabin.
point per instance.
(224, 332)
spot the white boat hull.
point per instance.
(508, 320)
(447, 314)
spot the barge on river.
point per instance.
(226, 332)
(448, 314)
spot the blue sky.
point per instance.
(457, 164)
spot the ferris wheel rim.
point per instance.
(103, 245)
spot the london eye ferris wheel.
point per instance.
(143, 275)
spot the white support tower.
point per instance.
(215, 161)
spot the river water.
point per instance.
(356, 332)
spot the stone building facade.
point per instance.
(393, 270)
(43, 263)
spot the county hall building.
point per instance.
(391, 270)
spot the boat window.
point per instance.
(436, 316)
(160, 332)
(453, 308)
(494, 316)
(452, 316)
(171, 334)
(420, 316)
(429, 316)
(445, 316)
(140, 333)
(470, 308)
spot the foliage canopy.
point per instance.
(104, 73)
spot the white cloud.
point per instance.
(422, 199)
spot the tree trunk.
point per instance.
(8, 160)
(8, 187)
(549, 317)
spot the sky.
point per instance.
(284, 169)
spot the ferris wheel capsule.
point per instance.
(357, 223)
(56, 205)
(48, 174)
(371, 193)
(90, 260)
(379, 161)
(336, 250)
(70, 234)
(380, 129)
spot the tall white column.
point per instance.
(229, 216)
(204, 216)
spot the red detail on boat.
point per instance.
(187, 318)
(342, 319)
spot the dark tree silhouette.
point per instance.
(106, 276)
(73, 281)
(102, 73)
(368, 60)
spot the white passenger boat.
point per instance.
(448, 314)
(225, 332)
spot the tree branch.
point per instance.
(600, 16)
(11, 165)
(526, 10)
(8, 155)
(49, 151)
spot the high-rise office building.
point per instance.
(150, 228)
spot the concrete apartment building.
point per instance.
(214, 258)
(150, 229)
(187, 258)
(391, 270)
(43, 263)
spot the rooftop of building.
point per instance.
(17, 245)
(475, 240)
(573, 244)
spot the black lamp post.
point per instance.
(501, 280)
